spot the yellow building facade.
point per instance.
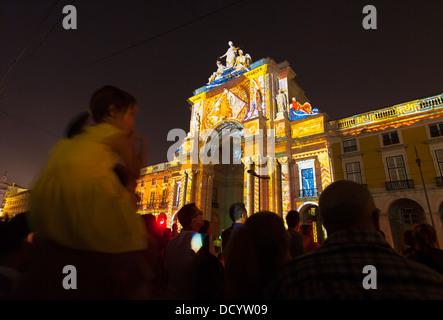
(380, 149)
(16, 201)
(255, 138)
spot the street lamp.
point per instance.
(252, 172)
(418, 160)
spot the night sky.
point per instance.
(161, 51)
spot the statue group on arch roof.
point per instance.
(236, 63)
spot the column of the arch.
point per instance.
(286, 195)
(183, 188)
(278, 188)
(171, 198)
(256, 185)
(248, 185)
(201, 202)
(268, 190)
(209, 187)
(190, 185)
(325, 171)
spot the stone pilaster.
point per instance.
(248, 185)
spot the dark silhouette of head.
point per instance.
(254, 252)
(293, 219)
(270, 238)
(346, 205)
(424, 237)
(407, 238)
(190, 217)
(104, 102)
(237, 212)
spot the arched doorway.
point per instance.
(403, 215)
(224, 149)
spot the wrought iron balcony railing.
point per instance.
(308, 193)
(400, 185)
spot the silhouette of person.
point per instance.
(295, 238)
(207, 272)
(15, 255)
(425, 251)
(181, 253)
(336, 269)
(254, 253)
(408, 242)
(238, 215)
(83, 205)
(308, 238)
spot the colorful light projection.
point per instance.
(394, 116)
(300, 111)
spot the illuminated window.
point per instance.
(390, 138)
(436, 130)
(350, 145)
(306, 171)
(177, 196)
(153, 182)
(396, 168)
(152, 197)
(165, 179)
(164, 196)
(353, 172)
(308, 182)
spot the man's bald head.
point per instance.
(345, 205)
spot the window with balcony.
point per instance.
(152, 197)
(397, 174)
(390, 138)
(436, 130)
(396, 168)
(350, 145)
(308, 189)
(353, 172)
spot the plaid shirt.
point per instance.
(335, 271)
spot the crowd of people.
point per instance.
(259, 258)
(83, 215)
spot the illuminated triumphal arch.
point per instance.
(253, 138)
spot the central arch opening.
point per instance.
(228, 173)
